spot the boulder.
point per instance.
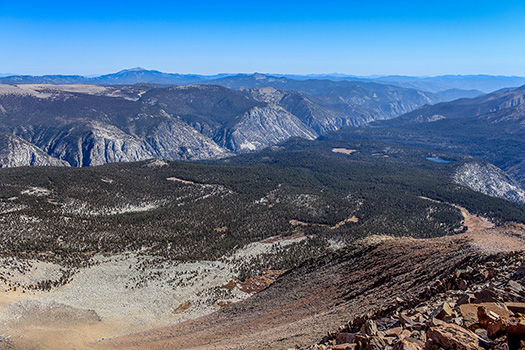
(393, 332)
(462, 284)
(376, 343)
(520, 272)
(444, 312)
(514, 325)
(345, 346)
(451, 337)
(435, 322)
(343, 338)
(405, 334)
(405, 344)
(469, 312)
(362, 340)
(515, 286)
(419, 318)
(486, 316)
(370, 327)
(495, 329)
(502, 326)
(406, 320)
(516, 307)
(466, 298)
(487, 295)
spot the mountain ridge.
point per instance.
(490, 126)
(92, 124)
(481, 82)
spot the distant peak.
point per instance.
(136, 69)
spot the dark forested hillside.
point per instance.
(328, 191)
(490, 126)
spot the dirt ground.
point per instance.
(318, 296)
(298, 309)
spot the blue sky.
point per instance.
(208, 37)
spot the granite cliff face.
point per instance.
(87, 125)
(260, 127)
(491, 127)
(92, 143)
(236, 122)
(15, 151)
(491, 180)
(322, 114)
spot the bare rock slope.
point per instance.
(491, 180)
(14, 151)
(370, 277)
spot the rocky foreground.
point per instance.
(460, 292)
(481, 306)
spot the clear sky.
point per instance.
(208, 37)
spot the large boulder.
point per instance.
(451, 337)
(470, 313)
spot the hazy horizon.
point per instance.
(334, 74)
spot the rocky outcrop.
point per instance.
(491, 180)
(15, 151)
(234, 120)
(175, 140)
(390, 288)
(96, 143)
(261, 127)
(322, 114)
(479, 307)
(452, 336)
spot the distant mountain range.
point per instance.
(124, 77)
(210, 117)
(490, 126)
(87, 125)
(482, 83)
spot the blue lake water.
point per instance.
(438, 160)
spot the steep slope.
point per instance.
(490, 126)
(15, 152)
(384, 100)
(490, 180)
(89, 130)
(369, 278)
(260, 127)
(464, 108)
(322, 114)
(233, 120)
